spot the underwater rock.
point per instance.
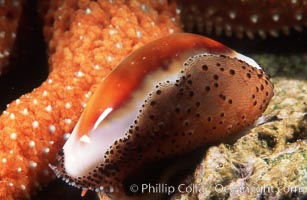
(292, 65)
(269, 162)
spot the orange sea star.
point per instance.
(86, 40)
(10, 12)
(249, 18)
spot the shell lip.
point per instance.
(60, 172)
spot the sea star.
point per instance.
(87, 40)
(10, 12)
(249, 18)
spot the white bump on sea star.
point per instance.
(17, 101)
(13, 35)
(262, 33)
(45, 93)
(81, 37)
(228, 29)
(51, 142)
(298, 16)
(68, 87)
(88, 11)
(6, 52)
(32, 164)
(45, 150)
(109, 58)
(96, 67)
(113, 31)
(35, 124)
(68, 105)
(138, 34)
(4, 160)
(210, 11)
(67, 121)
(118, 45)
(250, 34)
(170, 30)
(275, 17)
(274, 33)
(178, 11)
(2, 34)
(88, 94)
(232, 14)
(25, 111)
(11, 184)
(19, 169)
(51, 129)
(12, 116)
(35, 102)
(50, 81)
(31, 144)
(254, 18)
(48, 108)
(294, 1)
(13, 136)
(144, 7)
(22, 187)
(79, 74)
(66, 136)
